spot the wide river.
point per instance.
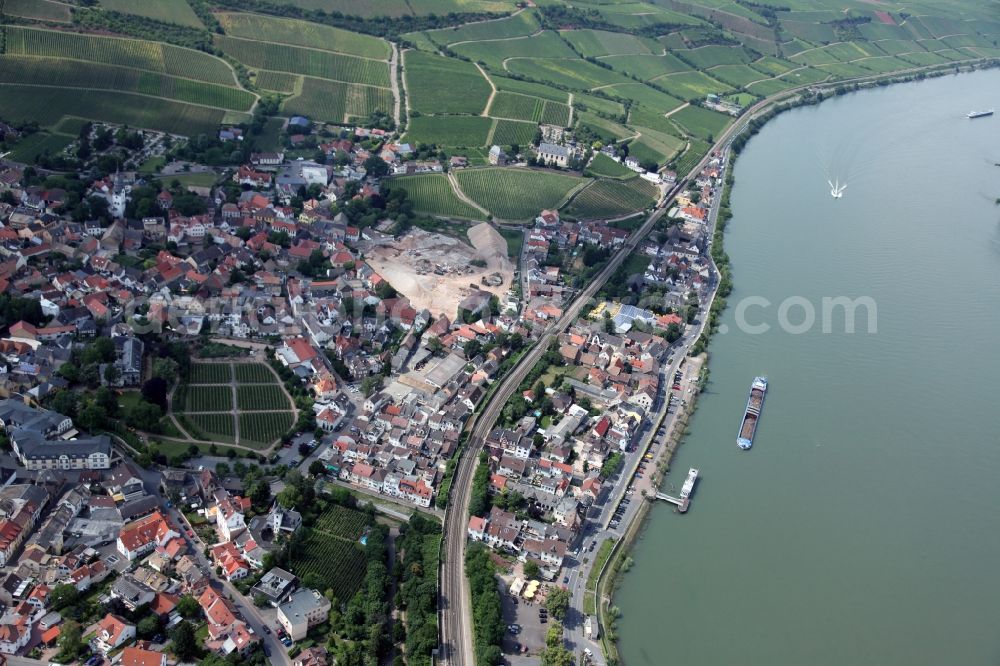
(864, 525)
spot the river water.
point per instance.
(864, 525)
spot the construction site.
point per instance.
(436, 271)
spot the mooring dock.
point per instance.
(683, 501)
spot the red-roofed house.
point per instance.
(113, 632)
(141, 536)
(133, 656)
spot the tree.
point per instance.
(371, 384)
(376, 167)
(317, 468)
(472, 348)
(63, 595)
(148, 626)
(70, 641)
(558, 602)
(188, 607)
(165, 369)
(531, 570)
(185, 645)
(435, 345)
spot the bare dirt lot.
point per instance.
(434, 270)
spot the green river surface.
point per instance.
(864, 525)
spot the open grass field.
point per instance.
(432, 194)
(47, 105)
(600, 43)
(257, 397)
(493, 53)
(208, 399)
(515, 241)
(508, 132)
(135, 53)
(303, 33)
(519, 25)
(702, 123)
(169, 11)
(612, 198)
(263, 428)
(602, 165)
(73, 74)
(450, 130)
(42, 10)
(337, 102)
(516, 194)
(29, 148)
(311, 62)
(211, 373)
(436, 84)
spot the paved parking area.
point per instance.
(532, 634)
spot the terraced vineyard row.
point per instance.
(311, 62)
(135, 53)
(516, 194)
(263, 428)
(534, 109)
(253, 373)
(254, 397)
(302, 33)
(211, 373)
(432, 194)
(209, 399)
(337, 102)
(343, 522)
(612, 198)
(339, 565)
(74, 74)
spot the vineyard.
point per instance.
(72, 74)
(211, 427)
(47, 105)
(612, 198)
(254, 397)
(310, 62)
(444, 85)
(209, 399)
(171, 11)
(432, 194)
(44, 10)
(336, 101)
(450, 130)
(516, 194)
(339, 565)
(277, 81)
(211, 373)
(343, 522)
(253, 373)
(134, 53)
(507, 132)
(263, 428)
(302, 33)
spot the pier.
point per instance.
(683, 501)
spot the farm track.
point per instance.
(457, 189)
(394, 76)
(496, 39)
(679, 108)
(493, 93)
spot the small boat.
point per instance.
(979, 114)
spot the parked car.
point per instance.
(267, 629)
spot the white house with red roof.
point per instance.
(113, 632)
(143, 535)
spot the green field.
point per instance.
(211, 427)
(258, 397)
(493, 53)
(73, 74)
(612, 198)
(515, 106)
(303, 33)
(647, 67)
(42, 10)
(450, 130)
(254, 373)
(521, 25)
(46, 106)
(528, 88)
(508, 132)
(278, 81)
(700, 122)
(444, 85)
(737, 75)
(644, 94)
(263, 428)
(516, 194)
(599, 43)
(311, 62)
(209, 399)
(135, 53)
(602, 165)
(211, 373)
(30, 147)
(337, 102)
(654, 146)
(170, 11)
(432, 194)
(710, 56)
(692, 85)
(577, 73)
(338, 563)
(515, 240)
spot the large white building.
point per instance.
(304, 609)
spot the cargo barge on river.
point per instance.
(751, 415)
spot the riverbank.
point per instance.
(620, 559)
